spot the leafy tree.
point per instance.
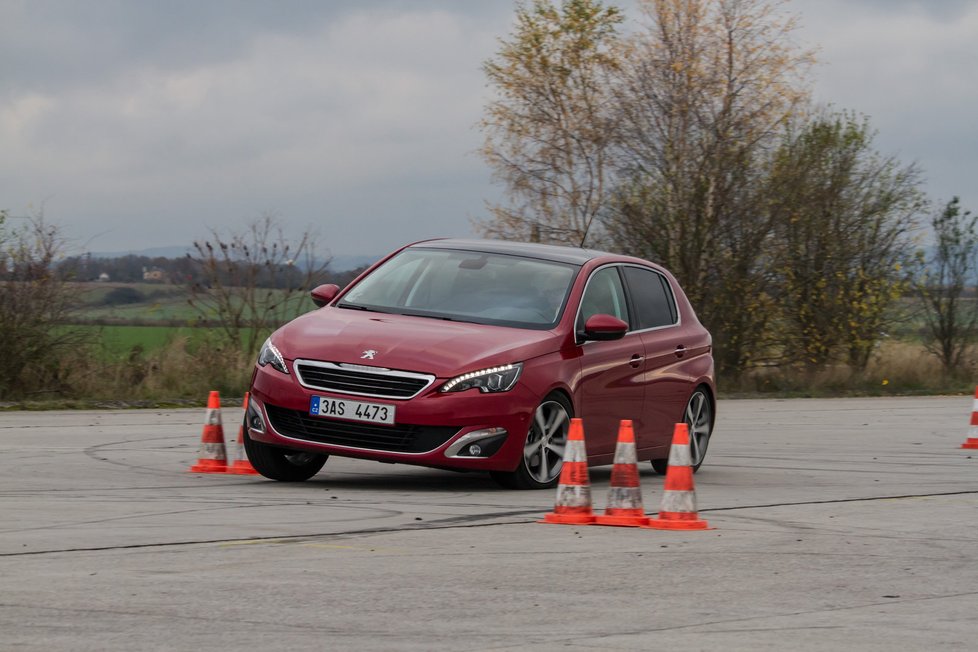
(254, 280)
(548, 133)
(123, 296)
(952, 320)
(843, 216)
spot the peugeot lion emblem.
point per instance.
(368, 354)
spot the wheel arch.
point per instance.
(565, 393)
(710, 394)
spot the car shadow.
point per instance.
(420, 479)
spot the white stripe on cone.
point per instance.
(573, 496)
(679, 455)
(678, 501)
(625, 453)
(575, 452)
(625, 497)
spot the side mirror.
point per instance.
(603, 328)
(323, 294)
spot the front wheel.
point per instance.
(543, 450)
(698, 417)
(282, 464)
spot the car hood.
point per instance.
(408, 343)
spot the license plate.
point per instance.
(341, 408)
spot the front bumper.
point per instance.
(431, 429)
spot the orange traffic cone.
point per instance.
(242, 465)
(212, 456)
(972, 440)
(625, 493)
(573, 504)
(678, 508)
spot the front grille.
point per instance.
(398, 438)
(361, 380)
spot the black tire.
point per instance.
(660, 466)
(698, 417)
(282, 464)
(543, 449)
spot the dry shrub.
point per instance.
(896, 367)
(181, 370)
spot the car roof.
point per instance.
(572, 255)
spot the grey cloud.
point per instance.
(339, 118)
(148, 122)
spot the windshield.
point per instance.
(467, 286)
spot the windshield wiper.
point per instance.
(354, 306)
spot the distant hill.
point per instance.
(345, 263)
(337, 264)
(152, 252)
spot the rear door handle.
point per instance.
(680, 351)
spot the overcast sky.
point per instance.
(143, 124)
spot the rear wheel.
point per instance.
(698, 417)
(282, 464)
(543, 450)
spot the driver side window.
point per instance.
(604, 294)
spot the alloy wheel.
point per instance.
(699, 419)
(543, 453)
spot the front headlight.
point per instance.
(271, 355)
(496, 379)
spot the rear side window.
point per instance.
(651, 296)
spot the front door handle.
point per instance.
(636, 360)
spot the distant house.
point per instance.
(154, 274)
(104, 277)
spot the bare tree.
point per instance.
(952, 320)
(34, 304)
(549, 131)
(705, 93)
(254, 280)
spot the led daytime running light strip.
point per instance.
(475, 374)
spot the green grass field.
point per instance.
(116, 342)
(115, 330)
(162, 303)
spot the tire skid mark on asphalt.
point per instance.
(13, 493)
(92, 451)
(377, 512)
(429, 525)
(851, 532)
(570, 640)
(221, 619)
(465, 521)
(842, 467)
(294, 499)
(835, 501)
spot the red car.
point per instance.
(473, 355)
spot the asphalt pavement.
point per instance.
(839, 524)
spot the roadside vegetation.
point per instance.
(688, 138)
(75, 337)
